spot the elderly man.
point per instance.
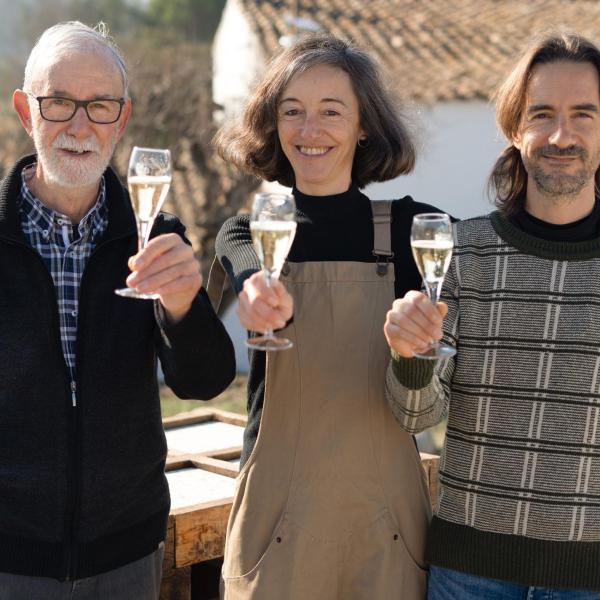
(83, 495)
(519, 508)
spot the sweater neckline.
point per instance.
(553, 250)
(341, 206)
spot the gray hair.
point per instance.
(73, 35)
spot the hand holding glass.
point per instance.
(148, 180)
(273, 227)
(432, 243)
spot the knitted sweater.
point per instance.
(520, 472)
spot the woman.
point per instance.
(331, 501)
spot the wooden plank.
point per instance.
(177, 585)
(191, 417)
(201, 438)
(201, 415)
(169, 558)
(214, 465)
(226, 454)
(200, 534)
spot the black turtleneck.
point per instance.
(581, 230)
(330, 228)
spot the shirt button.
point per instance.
(74, 313)
(73, 254)
(45, 233)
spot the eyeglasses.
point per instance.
(103, 111)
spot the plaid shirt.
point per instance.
(65, 249)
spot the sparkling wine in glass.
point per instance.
(273, 227)
(432, 243)
(148, 180)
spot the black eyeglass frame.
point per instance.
(79, 104)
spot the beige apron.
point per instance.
(332, 503)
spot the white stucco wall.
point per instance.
(460, 144)
(237, 60)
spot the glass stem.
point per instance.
(143, 229)
(267, 273)
(434, 289)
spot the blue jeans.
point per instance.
(445, 584)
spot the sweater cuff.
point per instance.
(412, 373)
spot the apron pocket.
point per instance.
(293, 567)
(241, 547)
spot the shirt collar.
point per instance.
(46, 220)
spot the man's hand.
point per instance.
(261, 307)
(413, 322)
(168, 267)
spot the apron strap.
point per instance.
(216, 284)
(382, 235)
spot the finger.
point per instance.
(405, 327)
(399, 342)
(156, 246)
(181, 258)
(256, 288)
(152, 282)
(187, 284)
(257, 315)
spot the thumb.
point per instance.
(443, 308)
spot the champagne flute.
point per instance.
(148, 180)
(273, 227)
(432, 243)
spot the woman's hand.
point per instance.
(261, 307)
(413, 323)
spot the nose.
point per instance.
(562, 134)
(79, 124)
(311, 128)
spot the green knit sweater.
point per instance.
(520, 472)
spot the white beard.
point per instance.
(73, 173)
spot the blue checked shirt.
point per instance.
(65, 249)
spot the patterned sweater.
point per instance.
(520, 472)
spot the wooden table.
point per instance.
(202, 463)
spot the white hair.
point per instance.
(73, 35)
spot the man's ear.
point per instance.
(125, 114)
(21, 106)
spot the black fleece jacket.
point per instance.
(82, 489)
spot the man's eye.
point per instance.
(58, 101)
(98, 106)
(540, 116)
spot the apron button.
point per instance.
(395, 536)
(278, 540)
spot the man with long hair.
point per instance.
(519, 507)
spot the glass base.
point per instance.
(268, 343)
(437, 351)
(131, 293)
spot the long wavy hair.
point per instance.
(508, 180)
(252, 143)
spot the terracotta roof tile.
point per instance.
(433, 49)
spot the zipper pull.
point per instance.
(73, 390)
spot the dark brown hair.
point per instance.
(252, 144)
(508, 180)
